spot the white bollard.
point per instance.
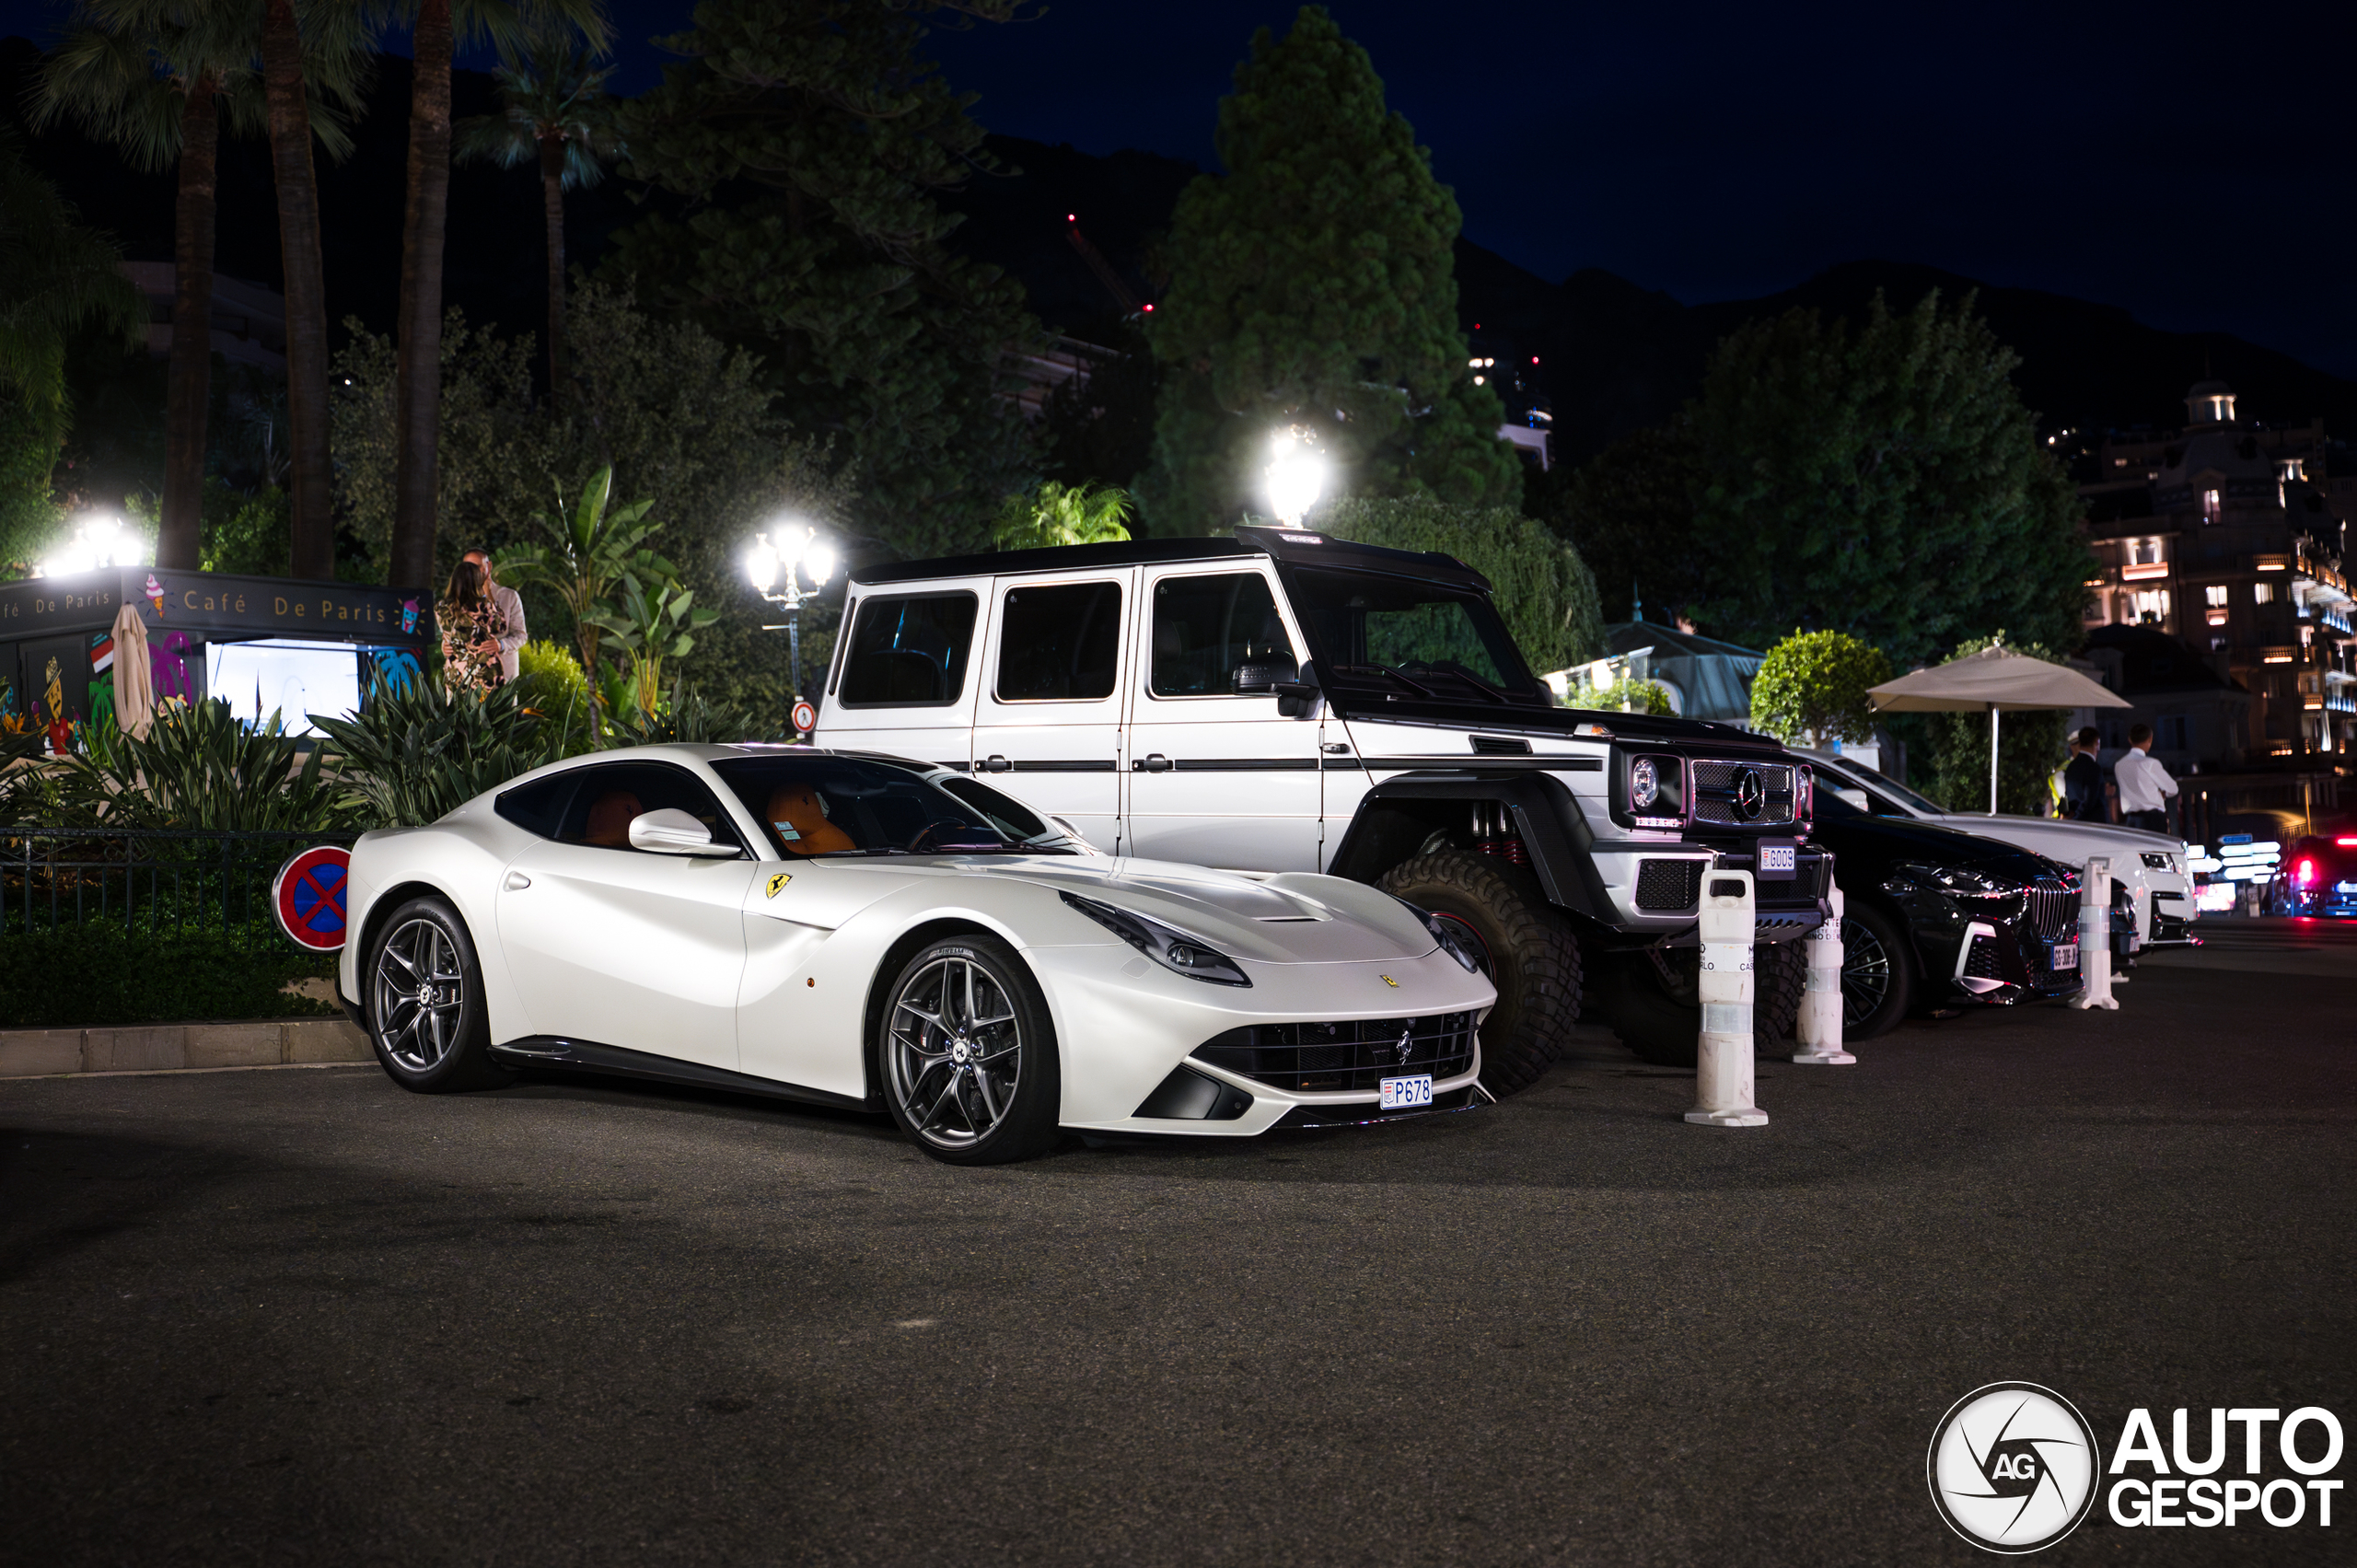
(2095, 936)
(1723, 1052)
(1817, 1032)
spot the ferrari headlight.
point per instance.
(1168, 946)
(1644, 783)
(1449, 936)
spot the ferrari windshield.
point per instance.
(813, 806)
(1423, 637)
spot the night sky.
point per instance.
(2190, 163)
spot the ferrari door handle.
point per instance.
(1154, 762)
(996, 764)
(517, 881)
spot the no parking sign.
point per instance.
(308, 897)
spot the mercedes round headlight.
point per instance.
(1644, 783)
(1168, 946)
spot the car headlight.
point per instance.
(1449, 937)
(1960, 879)
(1166, 945)
(1644, 783)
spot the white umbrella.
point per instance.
(1998, 680)
(135, 686)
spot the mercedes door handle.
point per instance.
(1154, 762)
(517, 881)
(996, 765)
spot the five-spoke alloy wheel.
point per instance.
(966, 1056)
(424, 1001)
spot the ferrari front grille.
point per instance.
(1359, 1054)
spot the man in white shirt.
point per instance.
(510, 605)
(2143, 782)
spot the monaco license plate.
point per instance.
(2062, 956)
(1400, 1093)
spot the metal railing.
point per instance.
(158, 880)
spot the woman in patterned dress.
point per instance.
(471, 625)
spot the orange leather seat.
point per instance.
(798, 818)
(610, 819)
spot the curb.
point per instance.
(165, 1047)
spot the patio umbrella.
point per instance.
(135, 684)
(1998, 680)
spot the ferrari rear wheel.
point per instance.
(426, 1007)
(966, 1057)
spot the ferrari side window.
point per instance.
(607, 798)
(538, 807)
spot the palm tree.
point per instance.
(161, 83)
(556, 113)
(58, 276)
(417, 370)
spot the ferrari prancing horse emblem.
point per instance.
(780, 880)
(1391, 983)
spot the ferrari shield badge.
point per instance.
(779, 881)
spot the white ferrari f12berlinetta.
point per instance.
(859, 931)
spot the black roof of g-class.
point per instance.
(1283, 545)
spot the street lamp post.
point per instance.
(802, 555)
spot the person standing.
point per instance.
(2083, 781)
(471, 628)
(510, 605)
(2144, 783)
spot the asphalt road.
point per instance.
(299, 1316)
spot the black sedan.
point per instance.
(1934, 918)
(2318, 876)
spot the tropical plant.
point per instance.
(161, 82)
(653, 626)
(58, 276)
(438, 27)
(551, 678)
(1626, 695)
(683, 715)
(1542, 588)
(415, 753)
(555, 112)
(591, 547)
(1061, 514)
(200, 767)
(1313, 285)
(1812, 688)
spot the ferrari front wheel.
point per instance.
(966, 1056)
(426, 1007)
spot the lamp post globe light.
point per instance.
(100, 540)
(798, 553)
(1294, 477)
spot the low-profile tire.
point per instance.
(966, 1056)
(1877, 980)
(1660, 1021)
(1527, 947)
(422, 986)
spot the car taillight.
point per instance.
(2306, 874)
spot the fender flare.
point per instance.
(1547, 818)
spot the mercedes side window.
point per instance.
(1205, 629)
(610, 797)
(538, 809)
(909, 651)
(1060, 642)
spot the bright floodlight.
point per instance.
(99, 541)
(1297, 475)
(761, 563)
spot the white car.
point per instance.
(2149, 868)
(842, 928)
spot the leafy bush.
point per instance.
(1813, 686)
(686, 716)
(1061, 514)
(1626, 695)
(416, 753)
(1543, 589)
(199, 768)
(549, 682)
(98, 974)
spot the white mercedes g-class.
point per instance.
(1286, 702)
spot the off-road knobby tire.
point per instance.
(1662, 1028)
(1533, 957)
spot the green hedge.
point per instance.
(96, 974)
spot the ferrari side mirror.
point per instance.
(669, 830)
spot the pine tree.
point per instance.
(810, 141)
(1885, 482)
(1313, 286)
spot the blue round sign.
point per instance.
(308, 897)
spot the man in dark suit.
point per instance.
(2083, 781)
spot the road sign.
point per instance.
(308, 897)
(805, 718)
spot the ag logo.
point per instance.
(779, 881)
(2012, 1468)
